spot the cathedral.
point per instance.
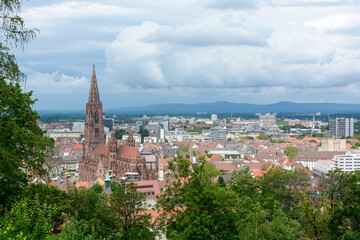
(98, 157)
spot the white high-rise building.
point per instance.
(348, 162)
(78, 127)
(341, 127)
(214, 117)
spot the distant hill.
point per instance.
(227, 107)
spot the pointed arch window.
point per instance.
(96, 117)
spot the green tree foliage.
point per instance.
(119, 133)
(291, 151)
(128, 206)
(30, 218)
(257, 224)
(74, 230)
(196, 129)
(342, 192)
(199, 208)
(86, 205)
(97, 188)
(263, 137)
(248, 137)
(23, 147)
(282, 123)
(144, 133)
(13, 32)
(221, 181)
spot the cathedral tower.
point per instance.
(94, 122)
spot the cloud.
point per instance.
(295, 58)
(207, 35)
(76, 10)
(56, 83)
(232, 4)
(203, 50)
(335, 22)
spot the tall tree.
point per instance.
(291, 151)
(23, 148)
(128, 206)
(195, 205)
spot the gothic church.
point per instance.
(98, 157)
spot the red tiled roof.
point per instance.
(307, 139)
(150, 145)
(129, 152)
(78, 146)
(255, 166)
(248, 156)
(216, 157)
(151, 186)
(258, 173)
(101, 149)
(82, 184)
(227, 167)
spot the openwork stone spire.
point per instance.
(94, 97)
(131, 141)
(94, 122)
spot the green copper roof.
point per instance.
(107, 177)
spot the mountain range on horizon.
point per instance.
(227, 107)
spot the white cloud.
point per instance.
(297, 57)
(236, 50)
(335, 22)
(56, 83)
(206, 34)
(76, 9)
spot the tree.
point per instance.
(221, 181)
(74, 230)
(144, 133)
(13, 33)
(90, 207)
(128, 206)
(263, 137)
(119, 133)
(23, 147)
(282, 186)
(291, 151)
(195, 205)
(29, 218)
(257, 224)
(341, 190)
(97, 188)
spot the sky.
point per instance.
(192, 51)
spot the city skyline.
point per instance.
(192, 52)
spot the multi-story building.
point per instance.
(109, 123)
(140, 123)
(218, 134)
(214, 117)
(267, 117)
(78, 127)
(341, 127)
(333, 145)
(348, 162)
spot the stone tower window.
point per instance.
(96, 118)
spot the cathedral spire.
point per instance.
(131, 141)
(94, 97)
